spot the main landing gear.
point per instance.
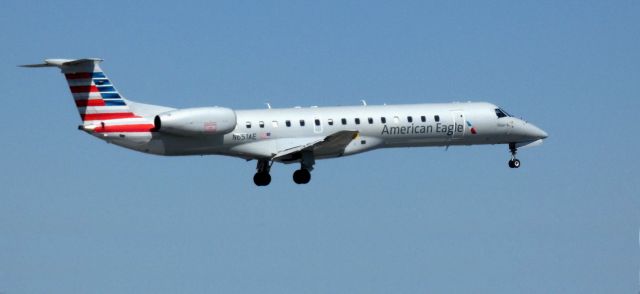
(513, 162)
(262, 176)
(303, 175)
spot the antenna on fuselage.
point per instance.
(364, 103)
(268, 105)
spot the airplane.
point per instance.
(284, 135)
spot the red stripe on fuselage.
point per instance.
(107, 116)
(86, 102)
(125, 128)
(79, 75)
(83, 89)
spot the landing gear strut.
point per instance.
(303, 175)
(514, 162)
(262, 176)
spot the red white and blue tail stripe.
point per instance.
(102, 108)
(94, 94)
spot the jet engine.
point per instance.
(196, 121)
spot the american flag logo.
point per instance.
(210, 126)
(265, 135)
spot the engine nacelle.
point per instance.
(196, 121)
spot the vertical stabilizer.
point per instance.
(102, 108)
(94, 94)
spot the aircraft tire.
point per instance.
(516, 163)
(511, 165)
(302, 176)
(262, 179)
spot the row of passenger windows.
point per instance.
(343, 121)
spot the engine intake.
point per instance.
(196, 121)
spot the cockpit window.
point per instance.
(501, 113)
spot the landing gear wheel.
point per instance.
(262, 176)
(262, 179)
(302, 176)
(516, 163)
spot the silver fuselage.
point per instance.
(262, 133)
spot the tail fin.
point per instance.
(95, 95)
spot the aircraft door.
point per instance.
(317, 125)
(459, 124)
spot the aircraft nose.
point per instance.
(535, 132)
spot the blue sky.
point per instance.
(81, 216)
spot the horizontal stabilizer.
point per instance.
(62, 62)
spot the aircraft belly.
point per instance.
(179, 145)
(141, 141)
(257, 149)
(415, 141)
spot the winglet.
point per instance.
(57, 62)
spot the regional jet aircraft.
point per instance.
(286, 135)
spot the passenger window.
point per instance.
(370, 120)
(288, 123)
(302, 122)
(383, 120)
(344, 121)
(330, 122)
(357, 121)
(409, 119)
(423, 118)
(248, 125)
(274, 123)
(317, 122)
(436, 118)
(261, 123)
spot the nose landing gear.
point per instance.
(514, 162)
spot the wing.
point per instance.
(332, 145)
